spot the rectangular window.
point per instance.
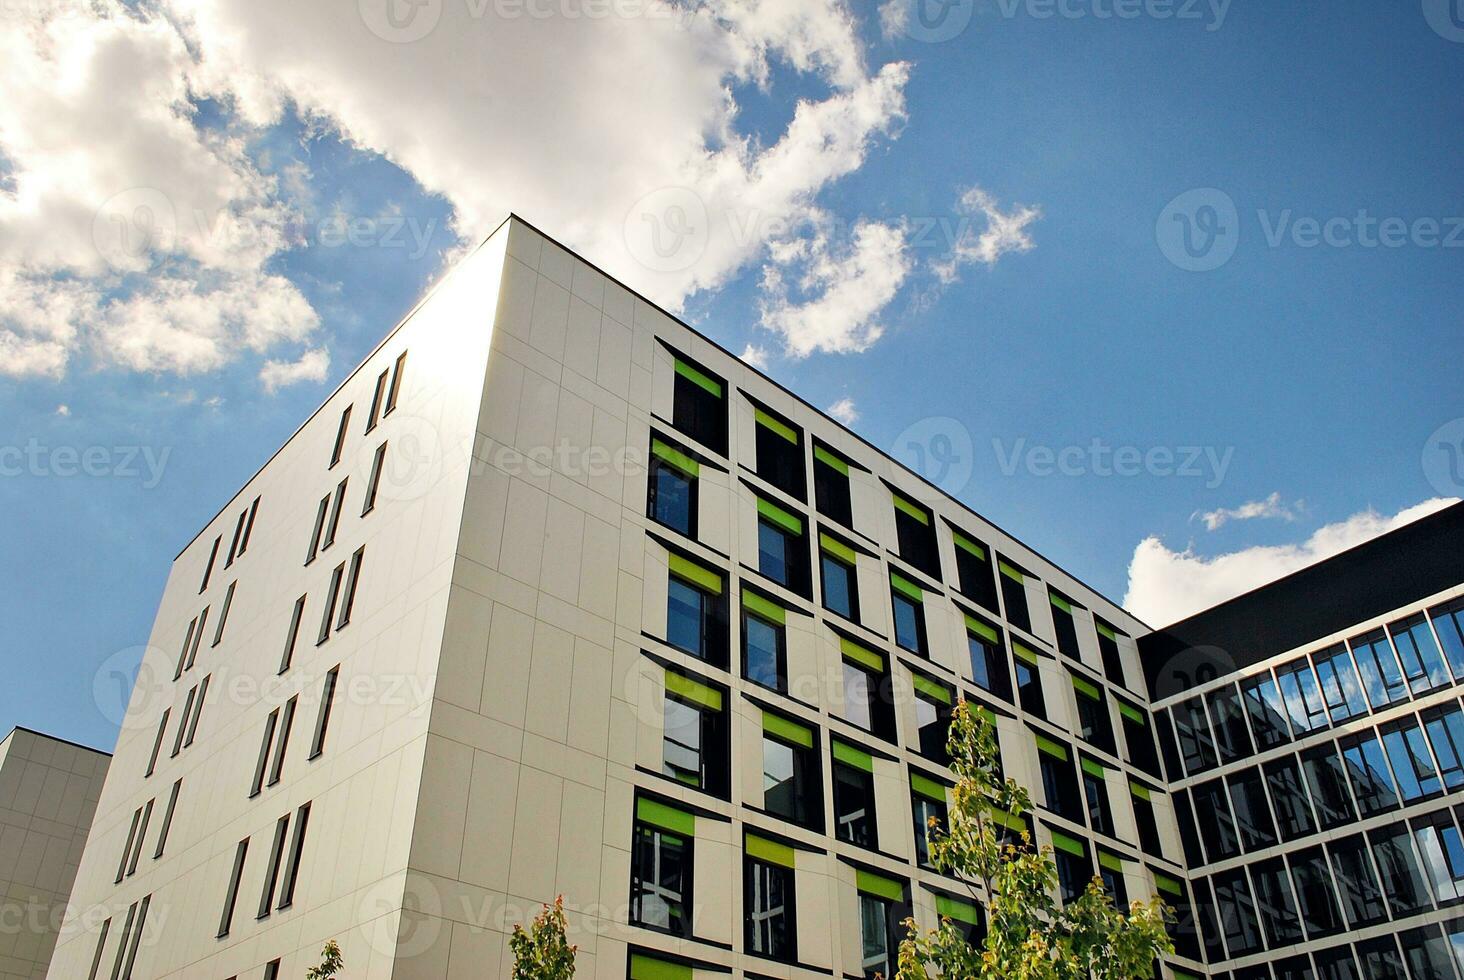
(234, 542)
(1382, 678)
(353, 579)
(915, 535)
(882, 904)
(1412, 765)
(333, 596)
(340, 439)
(1138, 739)
(988, 658)
(1340, 687)
(780, 453)
(1423, 664)
(272, 970)
(865, 703)
(838, 579)
(152, 762)
(1274, 903)
(1232, 737)
(378, 397)
(1014, 595)
(1427, 953)
(1445, 728)
(1181, 927)
(1029, 681)
(1288, 797)
(1367, 769)
(224, 615)
(1196, 744)
(699, 406)
(292, 635)
(973, 571)
(695, 750)
(962, 915)
(1399, 871)
(1063, 624)
(1252, 811)
(272, 869)
(1357, 882)
(854, 820)
(322, 720)
(1442, 853)
(1144, 821)
(932, 701)
(231, 895)
(1184, 815)
(213, 555)
(1217, 825)
(1095, 794)
(1237, 913)
(1095, 724)
(1074, 868)
(1110, 869)
(136, 938)
(141, 836)
(249, 526)
(1380, 959)
(1337, 963)
(292, 863)
(661, 868)
(1315, 896)
(694, 601)
(334, 523)
(1448, 621)
(167, 820)
(1264, 707)
(791, 781)
(768, 897)
(321, 511)
(672, 488)
(122, 945)
(831, 493)
(907, 602)
(764, 642)
(1303, 696)
(197, 638)
(373, 482)
(101, 946)
(1059, 784)
(282, 744)
(782, 549)
(265, 744)
(395, 391)
(197, 711)
(1327, 780)
(183, 721)
(1108, 647)
(183, 653)
(928, 805)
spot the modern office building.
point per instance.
(48, 792)
(555, 597)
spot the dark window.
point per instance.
(1095, 725)
(1138, 740)
(1252, 812)
(234, 542)
(1274, 903)
(292, 863)
(334, 523)
(878, 935)
(1427, 953)
(249, 526)
(1182, 927)
(1336, 963)
(1303, 697)
(780, 454)
(101, 945)
(1398, 869)
(183, 653)
(1095, 795)
(1412, 765)
(1165, 732)
(838, 578)
(699, 406)
(866, 701)
(927, 803)
(782, 548)
(988, 658)
(769, 897)
(333, 596)
(791, 782)
(854, 796)
(373, 482)
(695, 610)
(340, 439)
(398, 369)
(696, 746)
(282, 744)
(377, 397)
(261, 765)
(932, 718)
(322, 720)
(1063, 625)
(671, 486)
(136, 938)
(1382, 679)
(1266, 711)
(764, 643)
(1367, 769)
(1445, 727)
(1340, 687)
(197, 638)
(1232, 737)
(167, 819)
(1217, 826)
(1326, 779)
(1110, 869)
(1380, 959)
(1423, 665)
(915, 535)
(973, 569)
(152, 762)
(213, 555)
(660, 880)
(1059, 783)
(1196, 744)
(1014, 595)
(122, 946)
(272, 868)
(1357, 882)
(1448, 621)
(1108, 648)
(1441, 850)
(292, 634)
(1295, 968)
(353, 579)
(197, 711)
(183, 722)
(320, 514)
(1029, 681)
(1144, 821)
(1237, 913)
(1293, 811)
(831, 486)
(1185, 816)
(272, 970)
(1314, 893)
(141, 836)
(906, 599)
(231, 895)
(1074, 868)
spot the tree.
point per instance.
(330, 963)
(542, 952)
(1029, 936)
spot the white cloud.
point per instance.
(845, 411)
(894, 18)
(1270, 508)
(311, 366)
(756, 356)
(986, 233)
(64, 411)
(841, 290)
(1165, 586)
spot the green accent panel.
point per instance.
(676, 458)
(1060, 602)
(982, 630)
(906, 587)
(1093, 769)
(665, 817)
(927, 787)
(770, 851)
(1045, 744)
(696, 376)
(695, 574)
(1142, 792)
(779, 516)
(966, 544)
(851, 756)
(1023, 653)
(823, 455)
(982, 711)
(861, 655)
(1085, 688)
(773, 425)
(1008, 820)
(1110, 861)
(689, 690)
(838, 549)
(1065, 843)
(910, 508)
(753, 602)
(930, 688)
(1009, 571)
(880, 886)
(788, 731)
(954, 908)
(1167, 884)
(1106, 631)
(647, 968)
(1132, 714)
(1182, 974)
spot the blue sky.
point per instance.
(1315, 373)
